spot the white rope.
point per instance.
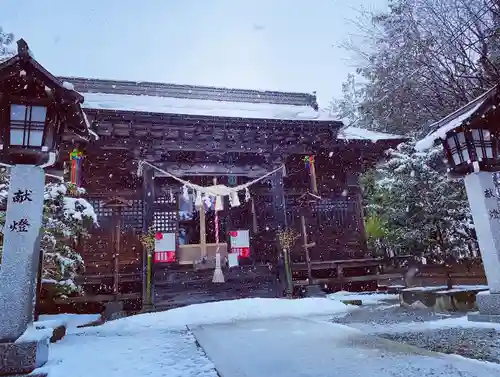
(215, 190)
(61, 179)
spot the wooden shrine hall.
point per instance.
(208, 135)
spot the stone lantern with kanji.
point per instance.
(36, 109)
(470, 138)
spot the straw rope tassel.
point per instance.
(218, 275)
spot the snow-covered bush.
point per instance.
(66, 221)
(424, 211)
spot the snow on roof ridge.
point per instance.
(462, 110)
(202, 107)
(453, 120)
(357, 133)
(95, 85)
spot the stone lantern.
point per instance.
(36, 109)
(470, 138)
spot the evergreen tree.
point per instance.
(66, 221)
(6, 40)
(421, 209)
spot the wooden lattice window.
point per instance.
(132, 216)
(99, 208)
(165, 215)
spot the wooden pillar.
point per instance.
(312, 177)
(117, 225)
(279, 207)
(356, 197)
(148, 195)
(203, 231)
(231, 182)
(306, 247)
(147, 199)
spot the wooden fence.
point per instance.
(113, 273)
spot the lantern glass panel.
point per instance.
(458, 148)
(483, 143)
(27, 125)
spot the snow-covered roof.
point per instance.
(356, 133)
(160, 98)
(188, 106)
(440, 128)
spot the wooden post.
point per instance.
(116, 254)
(306, 247)
(148, 202)
(255, 225)
(149, 298)
(203, 231)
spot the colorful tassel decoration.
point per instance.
(309, 161)
(76, 158)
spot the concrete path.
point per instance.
(289, 347)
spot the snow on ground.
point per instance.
(289, 347)
(159, 344)
(369, 298)
(152, 353)
(228, 311)
(69, 320)
(447, 323)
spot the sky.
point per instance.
(289, 45)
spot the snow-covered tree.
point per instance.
(421, 209)
(421, 60)
(66, 221)
(6, 40)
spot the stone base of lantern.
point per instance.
(17, 359)
(489, 308)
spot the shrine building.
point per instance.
(233, 136)
(153, 142)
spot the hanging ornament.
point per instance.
(234, 199)
(309, 162)
(218, 203)
(185, 193)
(140, 168)
(284, 170)
(198, 203)
(76, 158)
(207, 200)
(171, 195)
(247, 194)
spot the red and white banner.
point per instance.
(240, 242)
(164, 248)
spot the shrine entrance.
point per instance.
(188, 279)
